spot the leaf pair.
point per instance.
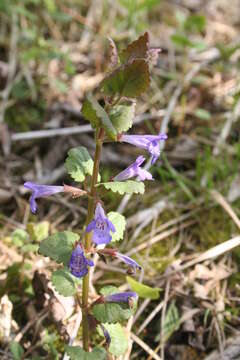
(79, 164)
(119, 119)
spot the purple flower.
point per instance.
(130, 262)
(134, 170)
(106, 334)
(40, 191)
(78, 263)
(147, 142)
(121, 297)
(101, 227)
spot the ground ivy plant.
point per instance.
(127, 77)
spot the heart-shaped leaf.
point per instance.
(129, 80)
(119, 222)
(124, 187)
(79, 163)
(59, 246)
(122, 117)
(97, 116)
(77, 353)
(63, 282)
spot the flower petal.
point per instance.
(144, 174)
(91, 226)
(121, 297)
(129, 261)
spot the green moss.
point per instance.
(214, 227)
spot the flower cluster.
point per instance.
(100, 226)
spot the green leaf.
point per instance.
(195, 22)
(39, 231)
(97, 116)
(122, 117)
(109, 290)
(77, 353)
(19, 237)
(16, 350)
(142, 290)
(112, 312)
(181, 40)
(130, 80)
(79, 163)
(63, 282)
(138, 49)
(171, 322)
(59, 246)
(125, 187)
(202, 114)
(119, 341)
(29, 248)
(119, 222)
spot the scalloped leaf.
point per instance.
(119, 340)
(59, 246)
(97, 116)
(63, 282)
(138, 49)
(77, 353)
(79, 163)
(119, 222)
(16, 350)
(124, 187)
(130, 80)
(112, 312)
(142, 290)
(122, 117)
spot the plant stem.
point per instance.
(88, 237)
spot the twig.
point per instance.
(40, 317)
(74, 332)
(39, 134)
(141, 308)
(145, 347)
(164, 310)
(150, 317)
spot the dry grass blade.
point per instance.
(209, 254)
(161, 236)
(223, 202)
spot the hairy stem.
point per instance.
(88, 237)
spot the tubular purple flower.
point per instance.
(78, 264)
(121, 297)
(134, 170)
(130, 262)
(147, 142)
(101, 227)
(106, 334)
(40, 191)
